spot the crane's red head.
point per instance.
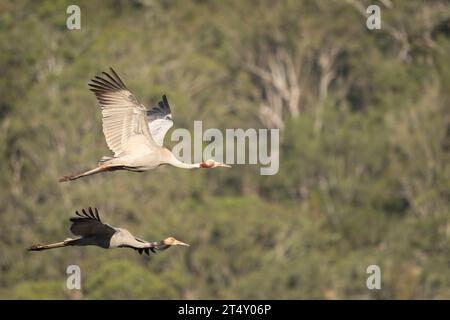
(213, 164)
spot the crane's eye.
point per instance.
(168, 118)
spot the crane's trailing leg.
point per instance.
(40, 247)
(99, 169)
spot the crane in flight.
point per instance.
(134, 134)
(91, 231)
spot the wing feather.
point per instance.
(122, 115)
(88, 223)
(160, 120)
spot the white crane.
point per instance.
(91, 231)
(134, 134)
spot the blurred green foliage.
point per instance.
(365, 147)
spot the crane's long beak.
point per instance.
(180, 243)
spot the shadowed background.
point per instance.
(364, 162)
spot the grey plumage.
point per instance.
(91, 231)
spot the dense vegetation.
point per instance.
(365, 147)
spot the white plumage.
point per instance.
(134, 134)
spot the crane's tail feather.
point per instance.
(100, 168)
(40, 247)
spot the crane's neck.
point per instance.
(172, 160)
(159, 245)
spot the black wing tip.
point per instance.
(90, 213)
(162, 109)
(165, 101)
(111, 83)
(116, 76)
(113, 71)
(163, 104)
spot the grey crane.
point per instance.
(91, 231)
(134, 134)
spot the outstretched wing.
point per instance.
(123, 115)
(88, 223)
(160, 120)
